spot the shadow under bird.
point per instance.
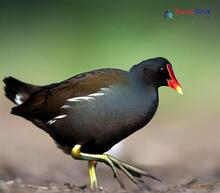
(91, 112)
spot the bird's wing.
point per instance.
(46, 103)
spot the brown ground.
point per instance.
(19, 187)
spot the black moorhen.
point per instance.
(89, 113)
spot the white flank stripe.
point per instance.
(80, 98)
(54, 119)
(88, 97)
(51, 121)
(73, 100)
(18, 99)
(105, 89)
(65, 107)
(96, 94)
(60, 117)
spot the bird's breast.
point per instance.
(108, 116)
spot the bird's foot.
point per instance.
(130, 170)
(77, 154)
(133, 173)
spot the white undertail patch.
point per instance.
(18, 100)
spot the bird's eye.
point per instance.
(163, 73)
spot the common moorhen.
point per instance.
(89, 113)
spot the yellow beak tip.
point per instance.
(179, 90)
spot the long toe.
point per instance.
(135, 172)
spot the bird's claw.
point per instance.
(130, 171)
(133, 173)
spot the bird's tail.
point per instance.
(17, 91)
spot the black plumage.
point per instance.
(95, 109)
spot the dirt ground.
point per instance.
(178, 152)
(19, 187)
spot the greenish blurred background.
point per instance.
(48, 41)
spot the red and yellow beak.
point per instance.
(173, 82)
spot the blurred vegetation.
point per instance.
(48, 41)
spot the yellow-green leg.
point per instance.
(92, 174)
(77, 154)
(131, 171)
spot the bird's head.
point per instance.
(157, 71)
